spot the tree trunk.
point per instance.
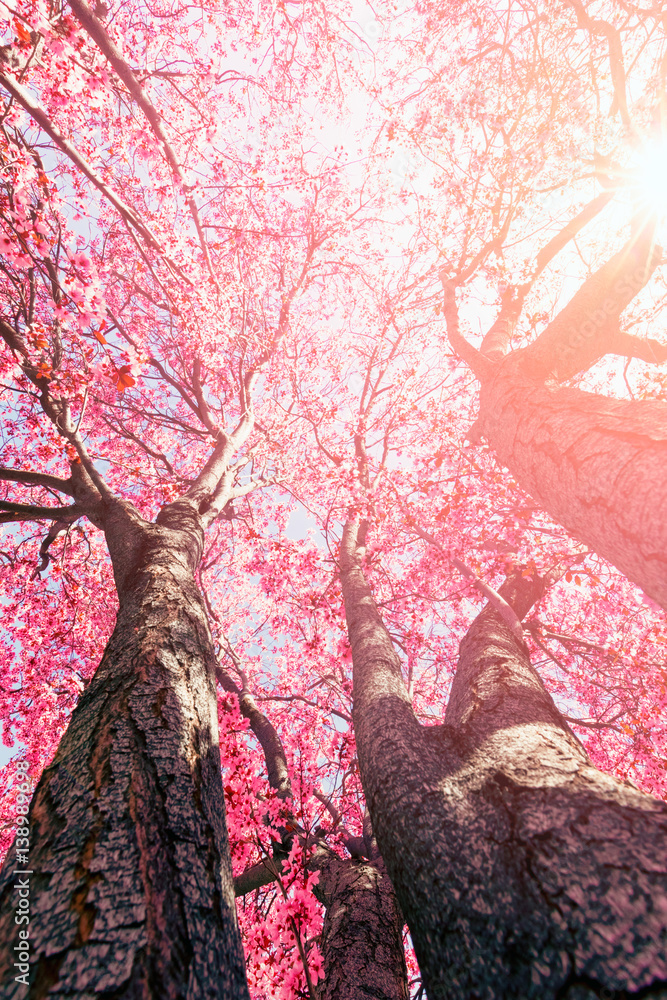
(596, 465)
(522, 871)
(131, 894)
(362, 936)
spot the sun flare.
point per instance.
(651, 176)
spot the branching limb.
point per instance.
(56, 529)
(224, 495)
(109, 49)
(62, 517)
(587, 328)
(257, 876)
(32, 512)
(646, 349)
(204, 411)
(596, 26)
(481, 366)
(497, 341)
(506, 612)
(22, 97)
(270, 869)
(209, 479)
(159, 456)
(567, 233)
(59, 413)
(354, 845)
(594, 724)
(157, 364)
(306, 701)
(494, 245)
(265, 731)
(38, 479)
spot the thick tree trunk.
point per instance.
(522, 871)
(132, 893)
(362, 936)
(596, 465)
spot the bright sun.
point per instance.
(650, 176)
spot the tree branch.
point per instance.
(354, 845)
(588, 326)
(644, 348)
(593, 724)
(306, 701)
(272, 746)
(496, 342)
(505, 610)
(31, 512)
(38, 479)
(256, 876)
(56, 409)
(38, 115)
(597, 26)
(481, 366)
(109, 49)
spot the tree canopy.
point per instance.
(268, 270)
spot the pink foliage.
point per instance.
(251, 232)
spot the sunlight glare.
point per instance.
(651, 176)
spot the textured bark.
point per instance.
(596, 465)
(132, 892)
(522, 871)
(362, 936)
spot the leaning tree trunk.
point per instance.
(132, 893)
(362, 936)
(522, 871)
(596, 465)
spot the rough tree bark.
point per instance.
(132, 893)
(362, 936)
(522, 871)
(596, 465)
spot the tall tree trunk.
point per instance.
(596, 465)
(362, 936)
(131, 894)
(522, 871)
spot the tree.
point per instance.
(128, 822)
(447, 801)
(408, 767)
(514, 860)
(591, 462)
(180, 249)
